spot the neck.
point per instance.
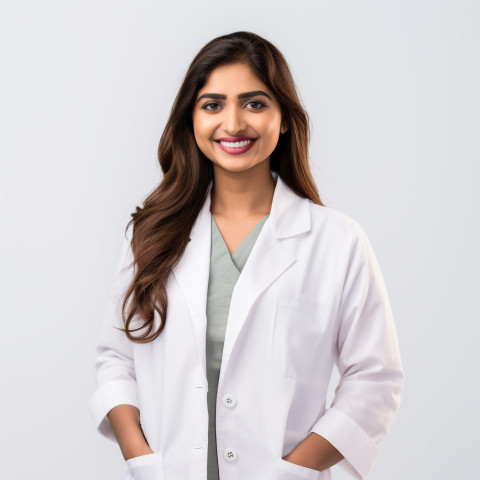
(242, 194)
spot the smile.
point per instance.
(236, 148)
(236, 144)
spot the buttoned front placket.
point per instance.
(225, 270)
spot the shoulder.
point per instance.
(332, 221)
(344, 233)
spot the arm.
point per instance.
(367, 355)
(315, 452)
(125, 421)
(114, 404)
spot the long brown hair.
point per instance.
(162, 226)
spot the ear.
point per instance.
(284, 126)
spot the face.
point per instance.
(236, 119)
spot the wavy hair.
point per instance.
(161, 227)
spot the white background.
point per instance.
(392, 89)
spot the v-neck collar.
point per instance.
(239, 248)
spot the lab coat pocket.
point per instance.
(285, 470)
(146, 467)
(301, 324)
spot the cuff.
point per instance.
(350, 440)
(107, 396)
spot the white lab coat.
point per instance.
(311, 295)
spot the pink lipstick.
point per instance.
(235, 145)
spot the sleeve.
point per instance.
(115, 372)
(367, 355)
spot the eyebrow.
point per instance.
(219, 96)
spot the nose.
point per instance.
(234, 121)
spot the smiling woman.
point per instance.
(237, 291)
(237, 121)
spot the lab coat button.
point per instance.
(229, 400)
(230, 454)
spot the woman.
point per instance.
(237, 290)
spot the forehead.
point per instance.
(234, 78)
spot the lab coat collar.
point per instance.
(289, 213)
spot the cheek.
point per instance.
(270, 130)
(203, 130)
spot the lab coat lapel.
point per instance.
(192, 273)
(267, 261)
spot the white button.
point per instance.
(229, 400)
(230, 454)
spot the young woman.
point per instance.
(237, 291)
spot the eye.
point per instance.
(211, 104)
(257, 104)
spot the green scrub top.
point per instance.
(224, 272)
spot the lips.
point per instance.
(235, 145)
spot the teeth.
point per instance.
(236, 144)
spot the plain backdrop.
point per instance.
(392, 89)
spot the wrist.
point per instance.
(136, 448)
